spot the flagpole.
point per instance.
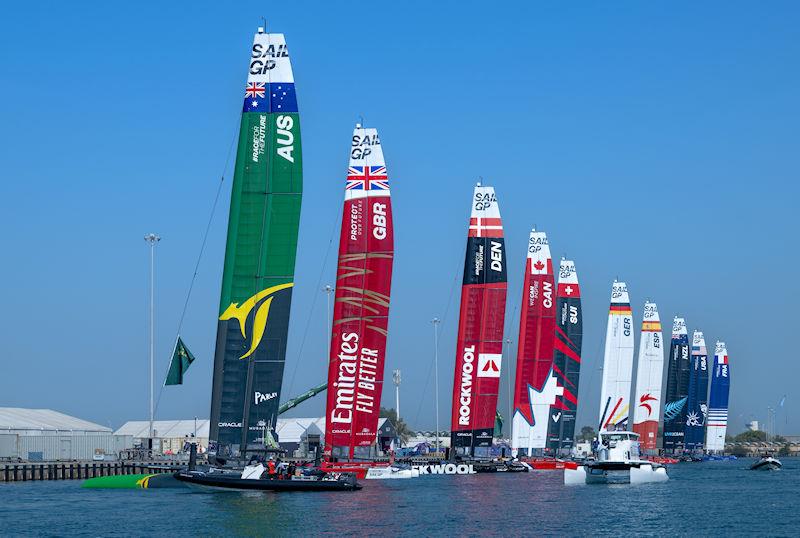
(152, 239)
(435, 322)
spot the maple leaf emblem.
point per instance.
(538, 265)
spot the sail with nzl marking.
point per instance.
(536, 387)
(617, 362)
(697, 402)
(718, 400)
(479, 346)
(647, 397)
(677, 387)
(361, 305)
(566, 359)
(260, 255)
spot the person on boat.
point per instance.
(271, 469)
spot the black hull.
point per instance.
(232, 483)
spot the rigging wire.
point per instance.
(200, 254)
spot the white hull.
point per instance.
(390, 473)
(633, 474)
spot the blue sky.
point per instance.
(656, 142)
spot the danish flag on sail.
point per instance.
(480, 328)
(361, 307)
(537, 387)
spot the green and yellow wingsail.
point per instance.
(260, 254)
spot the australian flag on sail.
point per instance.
(367, 178)
(276, 98)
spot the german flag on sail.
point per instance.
(620, 309)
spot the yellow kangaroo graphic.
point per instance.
(260, 321)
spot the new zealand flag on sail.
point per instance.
(266, 98)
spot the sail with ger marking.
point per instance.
(617, 361)
(260, 255)
(537, 387)
(647, 397)
(361, 305)
(677, 391)
(479, 348)
(718, 400)
(567, 358)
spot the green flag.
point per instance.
(182, 358)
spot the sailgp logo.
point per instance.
(241, 313)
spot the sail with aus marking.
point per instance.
(718, 400)
(260, 255)
(647, 397)
(536, 387)
(617, 362)
(566, 359)
(361, 304)
(479, 346)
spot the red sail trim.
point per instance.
(571, 397)
(611, 414)
(561, 375)
(566, 350)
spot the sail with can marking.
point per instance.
(537, 386)
(617, 362)
(717, 424)
(566, 358)
(649, 373)
(479, 347)
(361, 304)
(260, 252)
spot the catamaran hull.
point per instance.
(221, 482)
(615, 473)
(390, 473)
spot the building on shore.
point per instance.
(171, 436)
(47, 435)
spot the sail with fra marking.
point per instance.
(697, 400)
(479, 346)
(361, 305)
(647, 397)
(617, 362)
(566, 359)
(718, 400)
(537, 386)
(260, 252)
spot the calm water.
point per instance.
(701, 499)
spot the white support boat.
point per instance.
(391, 472)
(766, 463)
(617, 462)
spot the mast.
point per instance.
(566, 359)
(480, 328)
(260, 254)
(361, 303)
(617, 362)
(536, 386)
(697, 402)
(647, 397)
(718, 401)
(677, 387)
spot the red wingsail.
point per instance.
(361, 307)
(480, 328)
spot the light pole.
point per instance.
(152, 239)
(328, 329)
(396, 379)
(436, 322)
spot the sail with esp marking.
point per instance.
(479, 347)
(617, 362)
(537, 386)
(260, 252)
(361, 304)
(649, 373)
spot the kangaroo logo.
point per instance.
(262, 313)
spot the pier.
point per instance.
(23, 472)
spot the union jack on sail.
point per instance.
(255, 89)
(367, 178)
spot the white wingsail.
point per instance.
(617, 362)
(647, 397)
